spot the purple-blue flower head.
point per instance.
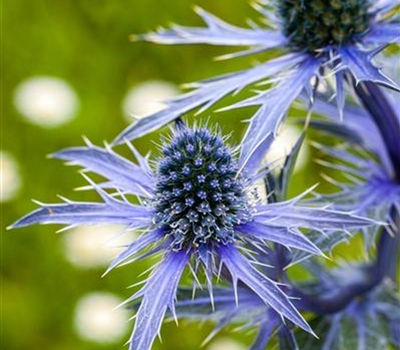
(197, 208)
(374, 188)
(313, 25)
(317, 38)
(200, 195)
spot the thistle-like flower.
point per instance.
(197, 207)
(319, 38)
(375, 187)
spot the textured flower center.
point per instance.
(314, 24)
(200, 198)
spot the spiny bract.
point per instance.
(319, 39)
(200, 196)
(196, 208)
(313, 24)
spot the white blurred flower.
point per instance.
(226, 344)
(325, 85)
(46, 101)
(146, 98)
(98, 319)
(283, 144)
(95, 246)
(10, 179)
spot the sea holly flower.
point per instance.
(374, 187)
(197, 207)
(318, 38)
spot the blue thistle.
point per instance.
(375, 187)
(312, 25)
(319, 38)
(200, 198)
(197, 207)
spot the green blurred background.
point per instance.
(85, 43)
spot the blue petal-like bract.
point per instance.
(274, 104)
(136, 246)
(75, 213)
(217, 32)
(350, 53)
(360, 66)
(254, 163)
(286, 214)
(207, 93)
(376, 193)
(241, 270)
(383, 33)
(158, 295)
(372, 190)
(200, 306)
(249, 308)
(282, 235)
(122, 174)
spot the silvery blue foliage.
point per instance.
(198, 203)
(250, 311)
(199, 208)
(368, 322)
(318, 38)
(341, 322)
(372, 188)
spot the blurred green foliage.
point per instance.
(85, 42)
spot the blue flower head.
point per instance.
(318, 38)
(200, 195)
(313, 25)
(197, 207)
(374, 187)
